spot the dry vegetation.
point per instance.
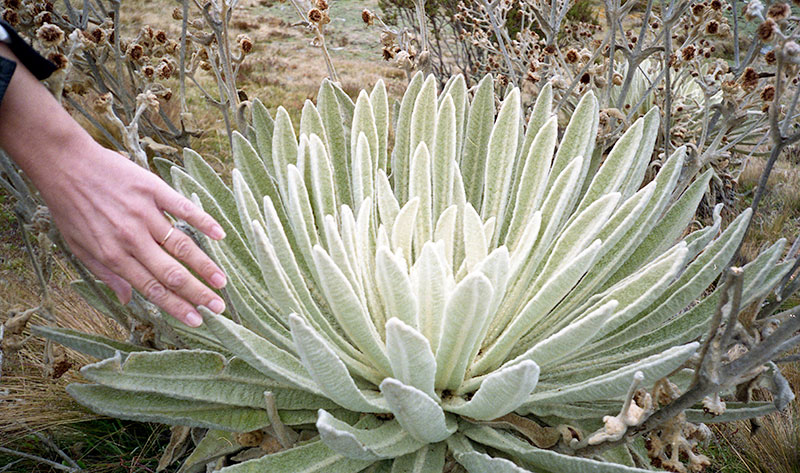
(285, 69)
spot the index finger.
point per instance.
(179, 206)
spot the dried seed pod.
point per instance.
(367, 17)
(754, 9)
(571, 57)
(50, 35)
(245, 43)
(791, 52)
(58, 59)
(779, 11)
(164, 70)
(315, 15)
(766, 30)
(149, 71)
(11, 17)
(749, 79)
(161, 36)
(135, 52)
(768, 94)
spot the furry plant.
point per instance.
(480, 296)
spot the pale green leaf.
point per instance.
(88, 343)
(284, 148)
(394, 286)
(419, 415)
(443, 157)
(499, 164)
(313, 457)
(546, 460)
(200, 376)
(420, 188)
(611, 175)
(146, 407)
(401, 154)
(428, 459)
(264, 126)
(500, 392)
(615, 384)
(338, 149)
(533, 178)
(476, 462)
(476, 140)
(410, 355)
(388, 440)
(259, 353)
(328, 371)
(349, 311)
(380, 110)
(464, 316)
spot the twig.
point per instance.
(45, 461)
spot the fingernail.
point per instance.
(193, 319)
(217, 232)
(217, 306)
(218, 280)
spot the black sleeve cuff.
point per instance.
(40, 67)
(7, 68)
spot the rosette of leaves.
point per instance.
(481, 294)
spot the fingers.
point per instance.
(170, 201)
(177, 279)
(120, 287)
(151, 287)
(181, 246)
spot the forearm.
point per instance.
(38, 134)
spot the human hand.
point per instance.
(110, 211)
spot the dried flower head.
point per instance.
(102, 104)
(96, 35)
(768, 94)
(50, 35)
(698, 9)
(585, 78)
(770, 58)
(135, 52)
(164, 70)
(321, 4)
(754, 9)
(13, 4)
(550, 49)
(367, 17)
(58, 59)
(245, 43)
(161, 36)
(177, 14)
(791, 52)
(712, 27)
(11, 17)
(687, 53)
(779, 11)
(149, 71)
(716, 5)
(43, 17)
(766, 30)
(749, 79)
(571, 57)
(315, 15)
